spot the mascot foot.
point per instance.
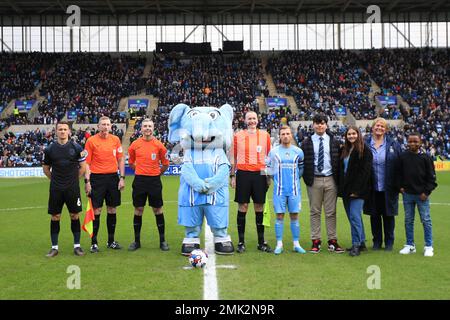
(187, 248)
(225, 248)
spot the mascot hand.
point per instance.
(212, 185)
(200, 186)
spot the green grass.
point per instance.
(151, 274)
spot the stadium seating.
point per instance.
(318, 80)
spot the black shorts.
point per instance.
(70, 197)
(147, 187)
(250, 183)
(105, 187)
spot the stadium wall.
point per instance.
(173, 170)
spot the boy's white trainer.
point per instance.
(428, 252)
(407, 249)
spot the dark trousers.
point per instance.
(379, 221)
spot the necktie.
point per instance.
(321, 156)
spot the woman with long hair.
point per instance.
(354, 187)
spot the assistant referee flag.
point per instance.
(88, 225)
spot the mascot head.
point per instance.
(201, 127)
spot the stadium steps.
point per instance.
(268, 76)
(374, 89)
(147, 68)
(349, 119)
(273, 89)
(9, 109)
(34, 112)
(128, 134)
(153, 105)
(261, 104)
(403, 103)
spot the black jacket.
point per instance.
(357, 178)
(416, 173)
(308, 150)
(393, 151)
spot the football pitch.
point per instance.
(152, 274)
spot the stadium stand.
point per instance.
(322, 80)
(319, 81)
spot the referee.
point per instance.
(64, 164)
(104, 159)
(250, 149)
(145, 156)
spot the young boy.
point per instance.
(417, 179)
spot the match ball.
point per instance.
(198, 258)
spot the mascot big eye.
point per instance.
(205, 134)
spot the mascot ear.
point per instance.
(175, 117)
(227, 111)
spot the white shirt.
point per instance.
(327, 169)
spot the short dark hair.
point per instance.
(415, 133)
(319, 118)
(63, 122)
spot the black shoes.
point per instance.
(355, 251)
(362, 247)
(240, 247)
(94, 248)
(264, 247)
(52, 253)
(187, 248)
(224, 248)
(388, 248)
(164, 246)
(78, 251)
(114, 245)
(376, 246)
(134, 246)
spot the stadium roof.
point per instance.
(207, 7)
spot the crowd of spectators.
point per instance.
(322, 81)
(26, 149)
(209, 80)
(20, 73)
(419, 76)
(91, 84)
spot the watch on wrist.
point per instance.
(87, 180)
(122, 177)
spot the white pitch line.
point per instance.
(210, 291)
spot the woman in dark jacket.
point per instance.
(354, 177)
(382, 204)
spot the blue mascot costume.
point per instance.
(205, 134)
